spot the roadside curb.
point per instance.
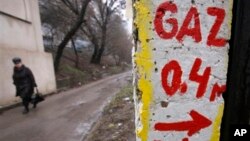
(17, 104)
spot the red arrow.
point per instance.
(199, 122)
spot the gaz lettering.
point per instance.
(185, 29)
(171, 88)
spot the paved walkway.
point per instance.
(62, 117)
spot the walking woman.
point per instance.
(25, 83)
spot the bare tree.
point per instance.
(80, 12)
(96, 27)
(56, 16)
(64, 18)
(119, 40)
(102, 25)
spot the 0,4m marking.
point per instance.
(172, 87)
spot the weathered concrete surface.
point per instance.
(64, 117)
(15, 8)
(181, 62)
(21, 35)
(16, 33)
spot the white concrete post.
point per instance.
(180, 61)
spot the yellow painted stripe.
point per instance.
(217, 124)
(143, 60)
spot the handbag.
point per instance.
(37, 97)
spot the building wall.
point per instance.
(21, 36)
(180, 68)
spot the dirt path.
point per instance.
(64, 117)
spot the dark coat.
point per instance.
(24, 81)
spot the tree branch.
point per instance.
(70, 5)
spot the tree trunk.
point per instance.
(70, 34)
(94, 55)
(76, 54)
(99, 56)
(103, 43)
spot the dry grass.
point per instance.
(117, 122)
